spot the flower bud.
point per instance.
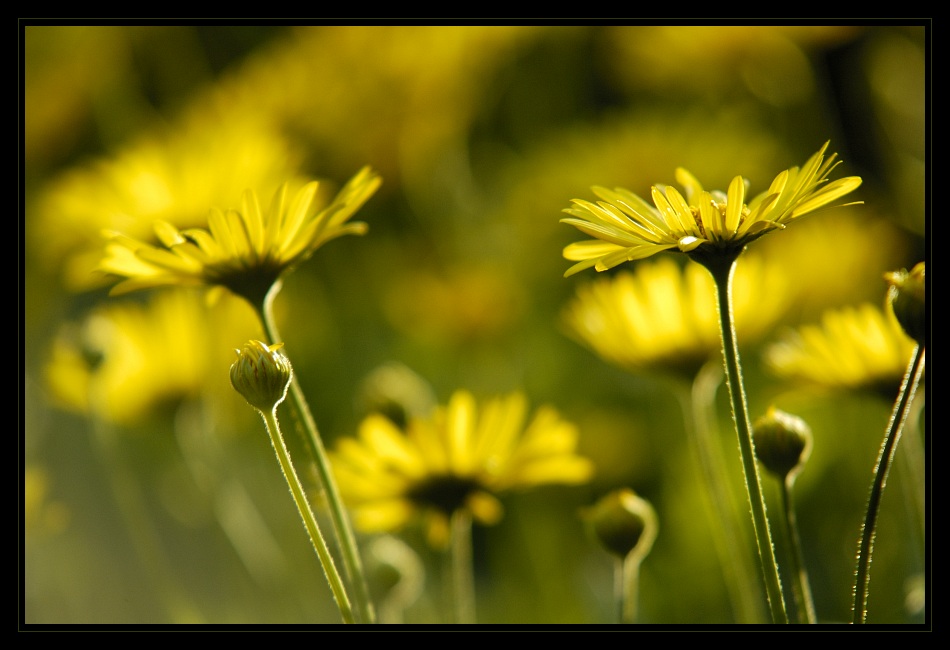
(907, 297)
(782, 442)
(261, 374)
(623, 522)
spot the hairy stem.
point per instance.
(891, 437)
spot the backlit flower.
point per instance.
(662, 316)
(460, 458)
(245, 251)
(907, 298)
(626, 228)
(207, 158)
(854, 348)
(128, 360)
(261, 374)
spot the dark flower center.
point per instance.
(446, 493)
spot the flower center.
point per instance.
(446, 493)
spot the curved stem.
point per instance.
(901, 408)
(303, 506)
(722, 271)
(801, 588)
(463, 583)
(342, 528)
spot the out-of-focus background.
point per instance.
(151, 495)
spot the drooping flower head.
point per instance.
(623, 522)
(244, 251)
(459, 458)
(626, 227)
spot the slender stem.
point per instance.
(620, 590)
(630, 570)
(912, 468)
(463, 583)
(737, 566)
(722, 271)
(342, 527)
(901, 408)
(303, 506)
(801, 587)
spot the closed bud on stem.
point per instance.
(907, 297)
(261, 375)
(782, 442)
(623, 523)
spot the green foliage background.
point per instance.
(482, 135)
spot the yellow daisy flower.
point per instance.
(127, 360)
(854, 348)
(459, 458)
(626, 227)
(662, 316)
(207, 158)
(245, 251)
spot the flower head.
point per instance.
(129, 360)
(907, 298)
(245, 251)
(626, 228)
(460, 458)
(854, 348)
(261, 374)
(782, 442)
(623, 522)
(207, 158)
(662, 316)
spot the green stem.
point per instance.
(303, 506)
(722, 269)
(620, 589)
(730, 542)
(630, 574)
(801, 587)
(463, 583)
(342, 528)
(901, 408)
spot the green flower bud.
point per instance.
(261, 374)
(782, 442)
(907, 297)
(623, 522)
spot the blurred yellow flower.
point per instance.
(626, 227)
(662, 316)
(245, 251)
(206, 159)
(128, 359)
(459, 458)
(854, 348)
